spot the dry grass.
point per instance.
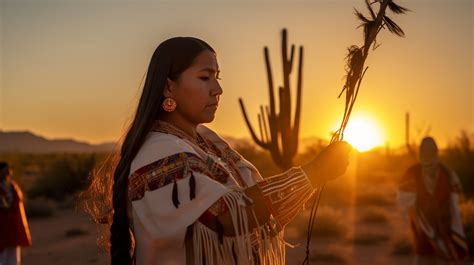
(333, 254)
(70, 202)
(375, 197)
(329, 257)
(402, 245)
(374, 215)
(75, 232)
(370, 238)
(467, 212)
(39, 207)
(329, 223)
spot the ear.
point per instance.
(169, 87)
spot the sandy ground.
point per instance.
(52, 246)
(353, 254)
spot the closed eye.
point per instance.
(206, 78)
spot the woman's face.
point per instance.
(197, 89)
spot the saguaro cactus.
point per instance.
(408, 145)
(277, 132)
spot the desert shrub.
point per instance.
(63, 177)
(381, 166)
(375, 197)
(261, 159)
(460, 157)
(329, 223)
(24, 167)
(329, 257)
(75, 232)
(402, 245)
(369, 238)
(69, 202)
(310, 152)
(337, 194)
(39, 207)
(467, 212)
(374, 215)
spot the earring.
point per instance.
(169, 104)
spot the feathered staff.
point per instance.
(355, 71)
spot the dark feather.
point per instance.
(342, 91)
(354, 58)
(376, 45)
(397, 9)
(354, 63)
(220, 232)
(366, 23)
(174, 194)
(368, 28)
(234, 254)
(361, 16)
(393, 27)
(372, 13)
(192, 187)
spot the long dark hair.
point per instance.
(107, 195)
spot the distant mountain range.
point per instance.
(27, 142)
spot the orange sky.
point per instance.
(71, 69)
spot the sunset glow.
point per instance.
(111, 47)
(363, 134)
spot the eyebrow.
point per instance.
(208, 69)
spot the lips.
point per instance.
(212, 105)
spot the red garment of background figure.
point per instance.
(430, 192)
(14, 229)
(435, 208)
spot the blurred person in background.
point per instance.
(429, 193)
(14, 231)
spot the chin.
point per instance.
(207, 119)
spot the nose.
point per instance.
(217, 90)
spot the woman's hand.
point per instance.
(329, 164)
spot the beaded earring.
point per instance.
(169, 104)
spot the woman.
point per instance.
(181, 195)
(429, 193)
(14, 230)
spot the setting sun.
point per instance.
(363, 134)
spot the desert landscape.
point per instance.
(358, 222)
(84, 82)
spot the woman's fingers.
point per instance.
(336, 159)
(343, 147)
(331, 162)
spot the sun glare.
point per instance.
(363, 134)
